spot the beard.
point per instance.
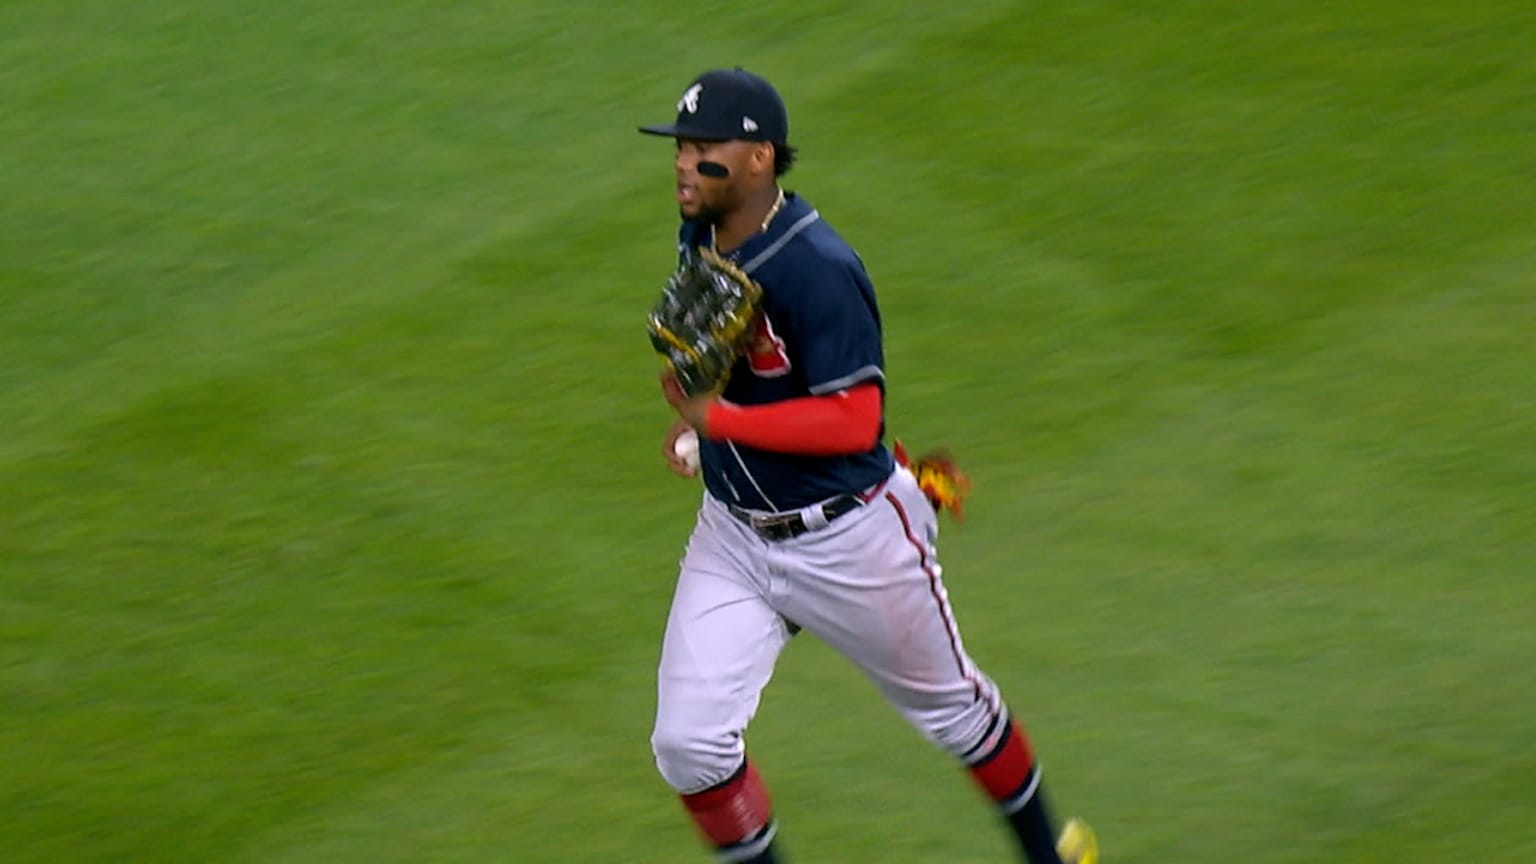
(702, 213)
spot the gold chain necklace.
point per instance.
(772, 212)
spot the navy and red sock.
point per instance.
(736, 816)
(1008, 774)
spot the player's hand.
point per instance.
(693, 409)
(675, 463)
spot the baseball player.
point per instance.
(807, 521)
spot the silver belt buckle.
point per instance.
(774, 526)
(770, 521)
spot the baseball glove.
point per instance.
(939, 477)
(702, 320)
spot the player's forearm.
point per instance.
(837, 424)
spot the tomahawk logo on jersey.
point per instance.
(820, 334)
(766, 355)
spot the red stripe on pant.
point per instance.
(950, 627)
(735, 810)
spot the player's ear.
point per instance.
(762, 158)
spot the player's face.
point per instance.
(702, 196)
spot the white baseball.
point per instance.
(686, 447)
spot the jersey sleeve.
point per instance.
(838, 324)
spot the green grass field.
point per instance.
(332, 527)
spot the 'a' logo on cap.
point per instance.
(690, 100)
(748, 124)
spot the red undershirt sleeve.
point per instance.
(837, 424)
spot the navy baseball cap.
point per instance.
(726, 105)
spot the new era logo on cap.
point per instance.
(726, 104)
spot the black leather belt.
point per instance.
(783, 526)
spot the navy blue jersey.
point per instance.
(819, 333)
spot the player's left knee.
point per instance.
(960, 729)
(689, 761)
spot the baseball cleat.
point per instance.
(1077, 845)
